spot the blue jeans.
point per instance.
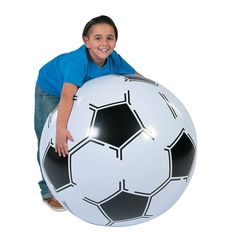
(44, 104)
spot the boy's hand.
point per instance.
(62, 137)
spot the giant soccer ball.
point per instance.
(133, 152)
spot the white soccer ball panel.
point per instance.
(96, 170)
(150, 165)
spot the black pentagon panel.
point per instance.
(182, 154)
(56, 168)
(125, 206)
(115, 124)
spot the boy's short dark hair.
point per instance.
(100, 20)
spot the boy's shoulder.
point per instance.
(81, 51)
(73, 58)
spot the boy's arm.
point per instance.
(64, 110)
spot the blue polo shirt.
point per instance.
(77, 67)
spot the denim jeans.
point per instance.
(44, 104)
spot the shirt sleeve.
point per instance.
(123, 67)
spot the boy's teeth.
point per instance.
(103, 50)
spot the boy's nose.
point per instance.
(104, 42)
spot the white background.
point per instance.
(187, 46)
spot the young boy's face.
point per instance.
(100, 42)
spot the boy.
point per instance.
(60, 78)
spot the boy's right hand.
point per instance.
(62, 137)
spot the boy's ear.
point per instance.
(85, 39)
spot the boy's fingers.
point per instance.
(58, 150)
(62, 149)
(70, 137)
